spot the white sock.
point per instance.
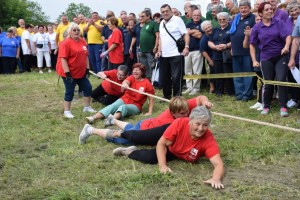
(67, 111)
(89, 130)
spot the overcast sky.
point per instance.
(54, 8)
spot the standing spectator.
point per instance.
(9, 51)
(219, 42)
(214, 12)
(115, 49)
(21, 27)
(273, 39)
(171, 60)
(82, 24)
(229, 5)
(42, 48)
(26, 46)
(135, 42)
(19, 60)
(278, 13)
(62, 27)
(241, 59)
(186, 18)
(148, 40)
(74, 69)
(207, 52)
(95, 42)
(128, 35)
(194, 61)
(209, 13)
(257, 3)
(33, 56)
(106, 32)
(175, 12)
(53, 54)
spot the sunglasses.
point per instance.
(74, 30)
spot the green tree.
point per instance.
(12, 10)
(75, 9)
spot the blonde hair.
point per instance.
(178, 104)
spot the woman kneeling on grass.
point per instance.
(187, 139)
(131, 102)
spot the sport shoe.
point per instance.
(265, 111)
(88, 109)
(68, 114)
(123, 151)
(110, 133)
(284, 112)
(291, 104)
(255, 106)
(194, 92)
(109, 121)
(49, 70)
(84, 134)
(90, 119)
(41, 72)
(260, 108)
(187, 91)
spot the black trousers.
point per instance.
(145, 137)
(101, 96)
(9, 65)
(170, 75)
(223, 83)
(27, 62)
(53, 58)
(149, 156)
(275, 67)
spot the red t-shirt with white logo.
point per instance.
(116, 56)
(111, 88)
(76, 53)
(184, 147)
(131, 97)
(166, 117)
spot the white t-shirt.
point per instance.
(176, 28)
(52, 40)
(25, 36)
(42, 39)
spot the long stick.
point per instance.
(144, 93)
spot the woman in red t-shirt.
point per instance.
(115, 49)
(131, 102)
(73, 66)
(107, 92)
(187, 139)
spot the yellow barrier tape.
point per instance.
(242, 74)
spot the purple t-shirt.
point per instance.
(269, 39)
(281, 14)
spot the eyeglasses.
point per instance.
(74, 30)
(221, 19)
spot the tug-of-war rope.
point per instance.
(216, 113)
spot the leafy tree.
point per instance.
(75, 9)
(12, 10)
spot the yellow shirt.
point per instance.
(60, 31)
(81, 26)
(20, 31)
(93, 35)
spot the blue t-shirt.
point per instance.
(127, 37)
(204, 45)
(137, 31)
(194, 42)
(9, 46)
(106, 32)
(219, 36)
(238, 37)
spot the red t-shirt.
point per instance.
(76, 53)
(116, 56)
(131, 97)
(184, 147)
(166, 117)
(109, 87)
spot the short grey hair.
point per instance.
(245, 3)
(218, 8)
(292, 5)
(223, 14)
(201, 113)
(205, 23)
(72, 26)
(124, 69)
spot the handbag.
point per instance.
(39, 46)
(227, 57)
(180, 43)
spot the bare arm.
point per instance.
(294, 49)
(161, 152)
(185, 51)
(253, 56)
(287, 45)
(218, 172)
(208, 58)
(65, 65)
(151, 104)
(112, 47)
(18, 53)
(156, 42)
(203, 101)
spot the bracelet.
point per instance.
(187, 47)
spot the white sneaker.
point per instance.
(68, 114)
(84, 134)
(260, 108)
(49, 70)
(90, 119)
(194, 92)
(41, 72)
(123, 151)
(187, 91)
(256, 105)
(291, 104)
(88, 109)
(109, 121)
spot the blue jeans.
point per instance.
(94, 56)
(242, 85)
(83, 83)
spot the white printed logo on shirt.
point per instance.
(142, 89)
(193, 153)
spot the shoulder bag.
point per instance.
(179, 43)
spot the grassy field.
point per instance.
(40, 157)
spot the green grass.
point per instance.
(40, 157)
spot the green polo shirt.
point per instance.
(147, 36)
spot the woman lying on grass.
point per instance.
(187, 139)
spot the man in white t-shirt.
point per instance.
(171, 61)
(26, 47)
